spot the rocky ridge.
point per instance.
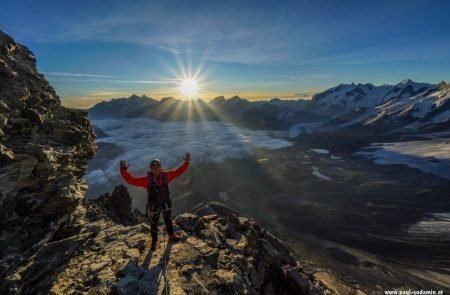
(219, 253)
(44, 150)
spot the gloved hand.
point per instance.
(123, 164)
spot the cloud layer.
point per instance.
(146, 139)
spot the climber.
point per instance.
(157, 184)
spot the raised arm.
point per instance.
(130, 179)
(172, 174)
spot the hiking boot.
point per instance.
(174, 238)
(154, 244)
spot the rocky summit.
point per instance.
(219, 253)
(55, 241)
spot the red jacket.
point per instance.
(143, 180)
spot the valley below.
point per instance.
(355, 221)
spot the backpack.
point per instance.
(158, 195)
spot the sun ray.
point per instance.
(189, 110)
(199, 110)
(164, 107)
(203, 60)
(174, 116)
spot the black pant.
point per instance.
(153, 213)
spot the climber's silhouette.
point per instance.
(157, 184)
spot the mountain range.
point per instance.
(405, 107)
(273, 114)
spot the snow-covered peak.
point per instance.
(346, 97)
(406, 88)
(415, 85)
(406, 81)
(415, 104)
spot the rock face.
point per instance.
(219, 253)
(115, 207)
(44, 150)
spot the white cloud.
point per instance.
(94, 79)
(96, 177)
(62, 74)
(146, 139)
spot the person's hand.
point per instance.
(123, 164)
(187, 157)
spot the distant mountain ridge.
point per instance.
(405, 107)
(347, 97)
(133, 106)
(271, 114)
(408, 105)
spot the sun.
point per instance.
(189, 88)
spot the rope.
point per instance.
(166, 283)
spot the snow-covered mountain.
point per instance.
(407, 106)
(347, 97)
(416, 105)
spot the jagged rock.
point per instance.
(6, 155)
(33, 115)
(118, 260)
(3, 107)
(40, 172)
(116, 207)
(3, 121)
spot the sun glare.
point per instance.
(189, 88)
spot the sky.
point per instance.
(97, 50)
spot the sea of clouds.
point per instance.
(145, 139)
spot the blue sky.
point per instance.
(95, 50)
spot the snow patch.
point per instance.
(303, 128)
(320, 151)
(317, 173)
(223, 196)
(431, 156)
(437, 224)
